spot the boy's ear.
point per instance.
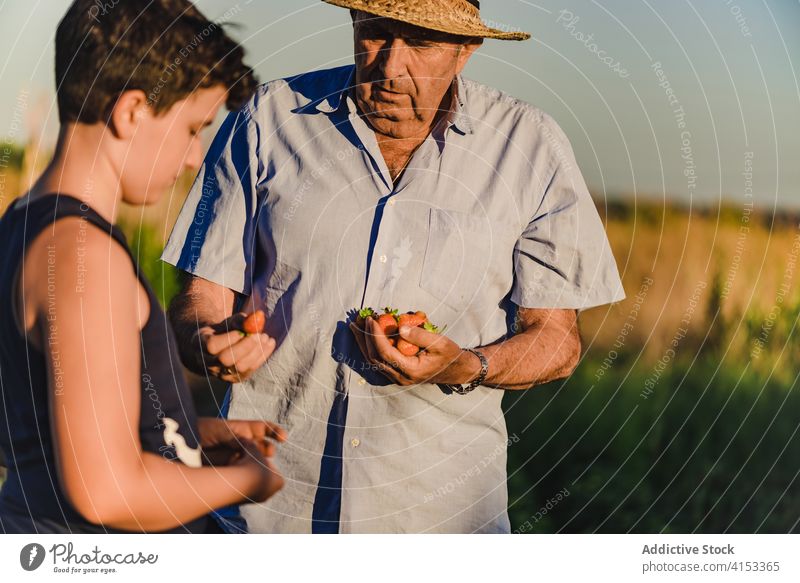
(131, 107)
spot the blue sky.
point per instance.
(732, 65)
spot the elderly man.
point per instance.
(394, 182)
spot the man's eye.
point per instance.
(422, 43)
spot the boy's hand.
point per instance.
(221, 439)
(267, 480)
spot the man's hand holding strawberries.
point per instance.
(412, 351)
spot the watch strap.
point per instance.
(463, 390)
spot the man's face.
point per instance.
(403, 73)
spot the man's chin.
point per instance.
(392, 115)
(402, 115)
(391, 118)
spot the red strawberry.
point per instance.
(412, 319)
(254, 323)
(388, 323)
(406, 348)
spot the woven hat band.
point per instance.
(457, 17)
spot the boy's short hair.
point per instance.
(165, 48)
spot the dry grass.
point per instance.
(680, 250)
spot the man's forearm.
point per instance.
(199, 304)
(538, 355)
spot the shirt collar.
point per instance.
(331, 102)
(457, 118)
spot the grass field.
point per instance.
(682, 415)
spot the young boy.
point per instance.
(96, 420)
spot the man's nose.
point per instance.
(394, 57)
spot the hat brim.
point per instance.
(451, 22)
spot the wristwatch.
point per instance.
(462, 389)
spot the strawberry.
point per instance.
(412, 319)
(388, 323)
(254, 323)
(363, 314)
(406, 348)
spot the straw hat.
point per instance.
(459, 17)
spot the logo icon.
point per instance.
(31, 556)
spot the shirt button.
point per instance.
(355, 442)
(362, 381)
(383, 258)
(392, 202)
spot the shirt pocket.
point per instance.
(457, 257)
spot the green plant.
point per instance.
(146, 247)
(713, 448)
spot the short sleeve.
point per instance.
(213, 236)
(563, 258)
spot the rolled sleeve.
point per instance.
(563, 258)
(213, 236)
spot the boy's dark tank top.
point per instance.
(31, 499)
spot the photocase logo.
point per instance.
(31, 556)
